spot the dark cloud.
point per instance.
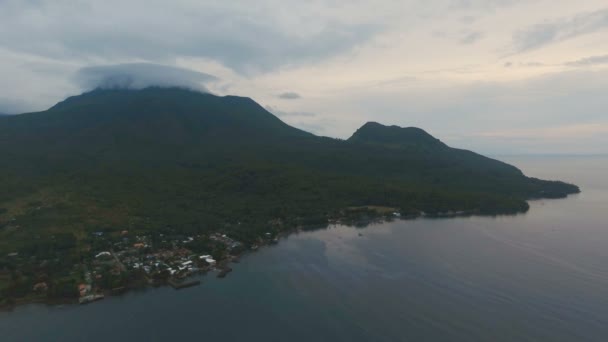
(471, 38)
(589, 61)
(240, 36)
(289, 96)
(510, 64)
(141, 75)
(532, 64)
(559, 30)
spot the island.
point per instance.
(117, 189)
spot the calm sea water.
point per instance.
(542, 276)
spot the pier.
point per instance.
(178, 285)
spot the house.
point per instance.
(139, 245)
(41, 287)
(83, 289)
(103, 254)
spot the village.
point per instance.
(116, 261)
(137, 261)
(113, 261)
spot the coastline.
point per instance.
(365, 216)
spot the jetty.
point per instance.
(90, 298)
(178, 285)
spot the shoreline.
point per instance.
(222, 268)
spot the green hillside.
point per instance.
(153, 158)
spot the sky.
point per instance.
(495, 76)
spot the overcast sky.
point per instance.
(496, 76)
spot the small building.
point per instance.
(103, 254)
(40, 287)
(83, 289)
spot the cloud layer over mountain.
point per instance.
(141, 75)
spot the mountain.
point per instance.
(156, 158)
(123, 123)
(375, 133)
(427, 153)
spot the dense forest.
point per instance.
(157, 157)
(146, 160)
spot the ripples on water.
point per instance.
(542, 276)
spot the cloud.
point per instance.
(559, 30)
(471, 38)
(289, 96)
(243, 37)
(532, 64)
(141, 75)
(510, 64)
(589, 61)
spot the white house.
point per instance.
(103, 254)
